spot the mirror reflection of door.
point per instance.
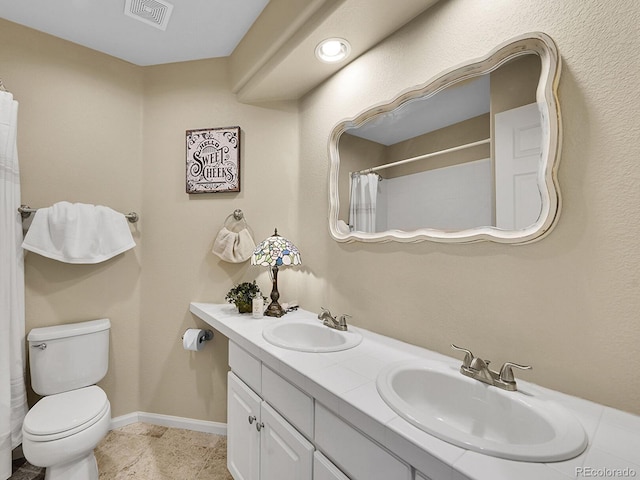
(429, 178)
(518, 142)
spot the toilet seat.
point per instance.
(65, 414)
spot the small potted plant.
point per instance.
(242, 295)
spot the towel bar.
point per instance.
(26, 212)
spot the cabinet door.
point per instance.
(323, 469)
(243, 414)
(354, 453)
(284, 453)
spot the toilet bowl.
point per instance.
(62, 429)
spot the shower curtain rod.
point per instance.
(26, 211)
(426, 155)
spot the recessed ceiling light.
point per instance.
(333, 50)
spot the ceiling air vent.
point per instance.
(151, 12)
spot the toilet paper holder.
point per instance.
(208, 335)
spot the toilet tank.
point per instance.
(70, 356)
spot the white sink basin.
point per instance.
(439, 400)
(310, 337)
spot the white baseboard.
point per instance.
(169, 421)
(124, 420)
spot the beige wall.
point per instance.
(80, 140)
(179, 228)
(568, 305)
(94, 129)
(467, 131)
(355, 154)
(514, 84)
(97, 130)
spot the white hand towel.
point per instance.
(78, 233)
(234, 247)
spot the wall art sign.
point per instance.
(213, 160)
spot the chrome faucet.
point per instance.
(330, 321)
(477, 368)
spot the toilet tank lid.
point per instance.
(68, 330)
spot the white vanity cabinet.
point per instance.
(276, 431)
(262, 445)
(328, 404)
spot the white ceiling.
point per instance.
(197, 29)
(270, 43)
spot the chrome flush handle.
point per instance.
(41, 346)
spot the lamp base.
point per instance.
(274, 310)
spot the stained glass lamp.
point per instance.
(275, 252)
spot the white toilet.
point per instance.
(62, 429)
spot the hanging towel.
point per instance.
(234, 247)
(78, 233)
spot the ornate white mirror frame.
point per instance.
(535, 43)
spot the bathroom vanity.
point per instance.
(318, 415)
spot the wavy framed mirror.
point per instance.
(469, 156)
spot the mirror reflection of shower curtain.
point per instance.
(13, 400)
(363, 199)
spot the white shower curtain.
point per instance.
(13, 400)
(362, 204)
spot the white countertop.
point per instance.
(345, 382)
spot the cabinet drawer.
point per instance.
(284, 453)
(357, 455)
(245, 366)
(293, 404)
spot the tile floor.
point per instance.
(22, 470)
(142, 451)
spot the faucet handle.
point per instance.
(506, 372)
(342, 320)
(468, 356)
(324, 311)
